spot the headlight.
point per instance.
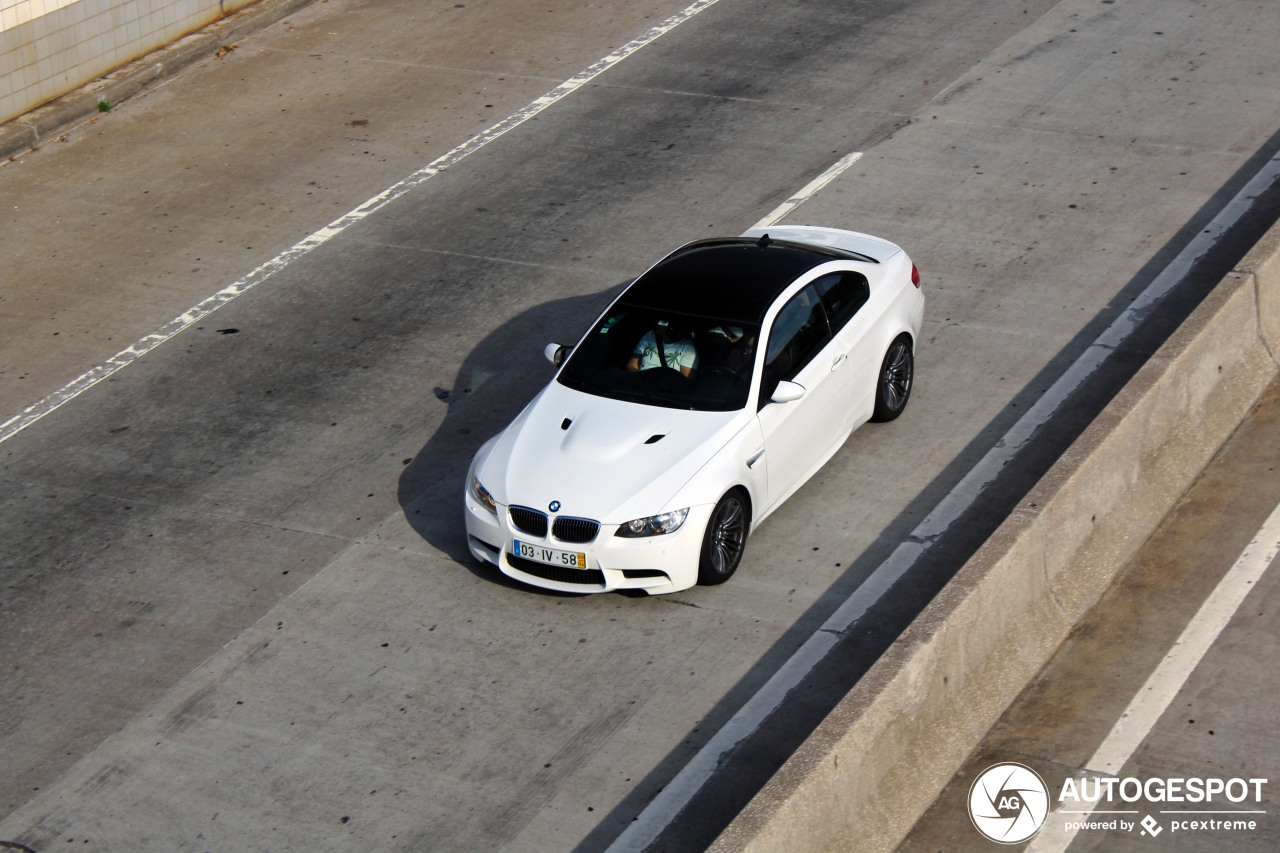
(654, 525)
(482, 496)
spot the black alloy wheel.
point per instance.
(724, 541)
(893, 385)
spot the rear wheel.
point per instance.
(893, 385)
(725, 539)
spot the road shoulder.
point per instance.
(1222, 722)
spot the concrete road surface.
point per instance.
(237, 609)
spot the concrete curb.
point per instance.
(864, 777)
(30, 129)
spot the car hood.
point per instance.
(599, 457)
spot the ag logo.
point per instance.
(1008, 803)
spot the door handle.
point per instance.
(841, 357)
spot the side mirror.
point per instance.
(556, 354)
(787, 392)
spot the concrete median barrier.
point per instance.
(868, 772)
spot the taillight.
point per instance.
(915, 276)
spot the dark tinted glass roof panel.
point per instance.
(732, 279)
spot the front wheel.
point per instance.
(893, 385)
(724, 541)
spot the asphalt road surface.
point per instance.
(236, 609)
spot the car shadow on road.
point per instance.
(495, 381)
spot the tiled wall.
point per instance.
(49, 47)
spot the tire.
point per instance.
(724, 540)
(893, 384)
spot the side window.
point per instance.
(843, 293)
(798, 333)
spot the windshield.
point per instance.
(647, 356)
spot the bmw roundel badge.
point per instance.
(555, 506)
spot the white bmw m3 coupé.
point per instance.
(710, 390)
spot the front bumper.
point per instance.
(653, 564)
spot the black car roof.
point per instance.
(734, 279)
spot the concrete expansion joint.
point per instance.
(130, 503)
(1053, 597)
(282, 528)
(1271, 353)
(14, 845)
(57, 489)
(1259, 311)
(666, 599)
(449, 253)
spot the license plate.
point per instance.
(550, 556)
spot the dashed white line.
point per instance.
(189, 318)
(809, 189)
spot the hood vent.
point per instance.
(654, 439)
(566, 423)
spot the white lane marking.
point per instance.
(655, 817)
(189, 318)
(810, 189)
(1150, 703)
